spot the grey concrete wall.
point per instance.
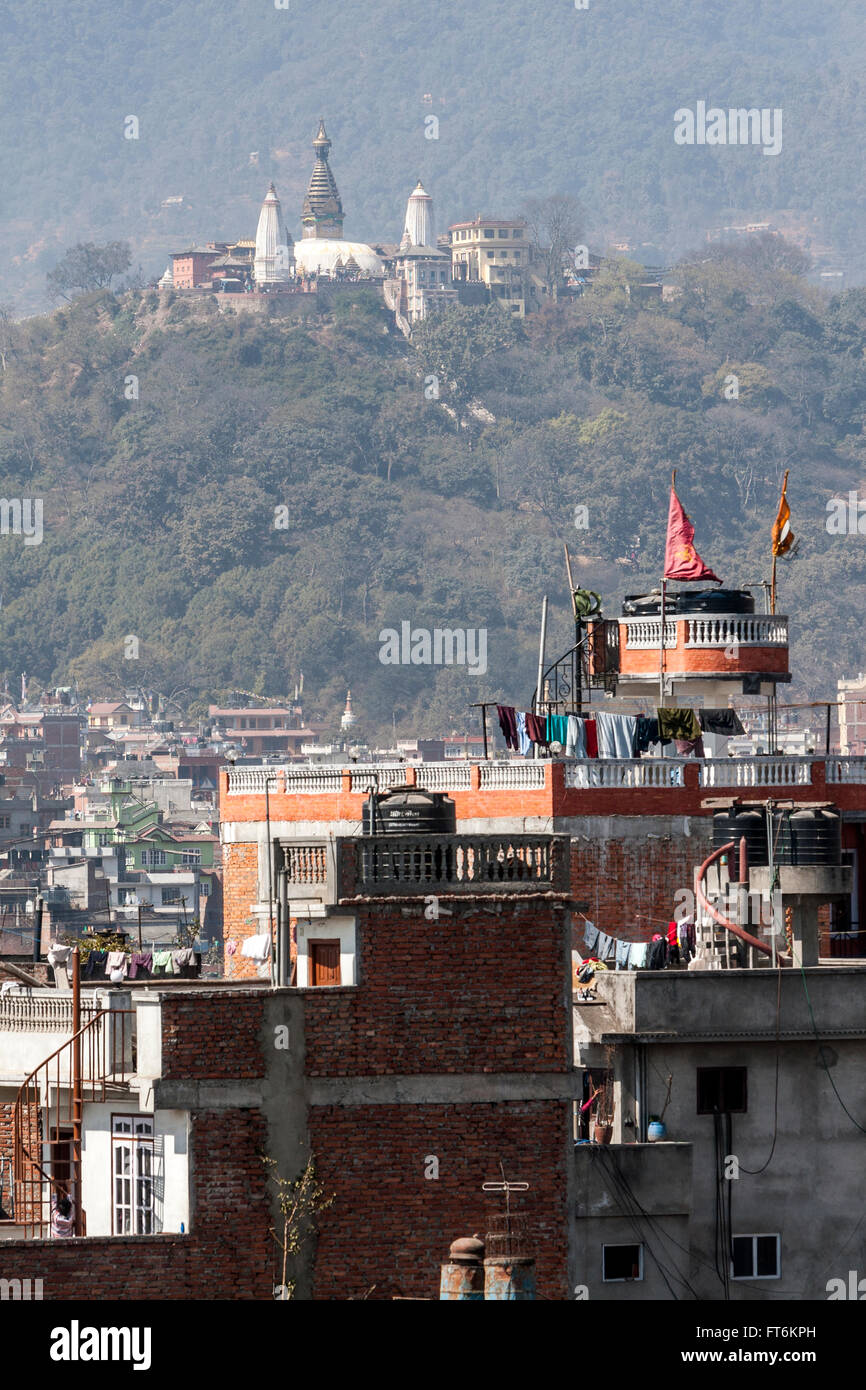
(810, 1193)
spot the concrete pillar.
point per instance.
(805, 930)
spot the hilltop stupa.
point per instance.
(322, 249)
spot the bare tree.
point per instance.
(554, 228)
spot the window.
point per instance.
(518, 231)
(156, 857)
(488, 232)
(191, 856)
(620, 1263)
(204, 889)
(756, 1257)
(173, 895)
(490, 255)
(722, 1089)
(4, 822)
(132, 1174)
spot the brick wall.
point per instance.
(477, 991)
(212, 1035)
(627, 886)
(228, 1254)
(390, 1226)
(241, 890)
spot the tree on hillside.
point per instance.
(554, 230)
(452, 346)
(88, 267)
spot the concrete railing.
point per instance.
(511, 776)
(624, 772)
(755, 772)
(743, 630)
(642, 634)
(380, 777)
(446, 864)
(39, 1013)
(844, 769)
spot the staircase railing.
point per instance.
(101, 1056)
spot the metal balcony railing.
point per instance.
(97, 1061)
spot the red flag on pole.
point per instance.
(682, 561)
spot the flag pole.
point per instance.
(662, 619)
(662, 648)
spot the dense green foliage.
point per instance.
(531, 99)
(160, 510)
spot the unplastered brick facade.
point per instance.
(483, 989)
(391, 1225)
(451, 1056)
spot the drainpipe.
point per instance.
(723, 921)
(77, 1103)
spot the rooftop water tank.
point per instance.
(806, 836)
(409, 811)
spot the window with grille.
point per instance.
(756, 1257)
(132, 1175)
(722, 1090)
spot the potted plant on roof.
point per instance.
(656, 1130)
(603, 1129)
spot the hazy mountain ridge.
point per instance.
(529, 102)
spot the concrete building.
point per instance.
(422, 272)
(752, 1070)
(442, 1048)
(852, 715)
(494, 253)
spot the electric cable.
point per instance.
(753, 1172)
(854, 1122)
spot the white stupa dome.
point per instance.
(324, 255)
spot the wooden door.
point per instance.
(324, 962)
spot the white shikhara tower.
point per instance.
(419, 218)
(274, 246)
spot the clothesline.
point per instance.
(605, 735)
(639, 955)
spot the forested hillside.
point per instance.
(530, 100)
(161, 515)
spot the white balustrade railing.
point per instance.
(736, 630)
(311, 780)
(846, 769)
(24, 1013)
(512, 776)
(379, 777)
(624, 772)
(444, 777)
(755, 772)
(642, 634)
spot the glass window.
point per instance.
(488, 232)
(722, 1090)
(503, 231)
(132, 1174)
(621, 1263)
(756, 1257)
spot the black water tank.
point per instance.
(410, 811)
(733, 825)
(801, 837)
(807, 837)
(700, 601)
